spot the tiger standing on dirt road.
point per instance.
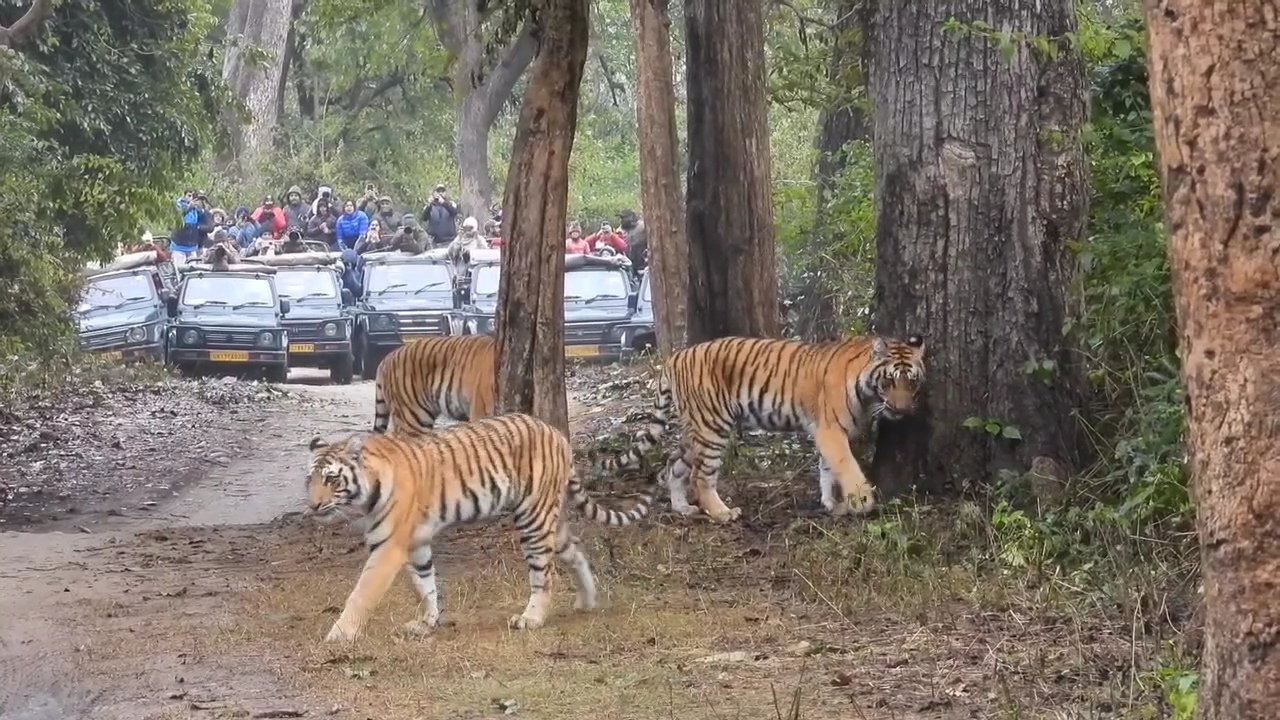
(405, 489)
(833, 391)
(452, 375)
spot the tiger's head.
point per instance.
(893, 377)
(336, 481)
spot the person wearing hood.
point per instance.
(469, 239)
(322, 224)
(270, 218)
(409, 236)
(296, 212)
(388, 220)
(324, 192)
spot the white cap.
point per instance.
(470, 223)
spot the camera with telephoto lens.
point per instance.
(295, 234)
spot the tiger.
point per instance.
(454, 376)
(834, 391)
(403, 489)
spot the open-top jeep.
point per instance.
(230, 318)
(403, 297)
(597, 293)
(122, 312)
(320, 322)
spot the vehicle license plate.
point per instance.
(580, 351)
(113, 355)
(302, 347)
(229, 356)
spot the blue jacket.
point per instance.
(244, 235)
(196, 225)
(350, 228)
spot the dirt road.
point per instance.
(212, 604)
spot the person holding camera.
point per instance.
(197, 223)
(441, 216)
(296, 212)
(322, 223)
(270, 218)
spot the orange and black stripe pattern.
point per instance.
(453, 376)
(406, 488)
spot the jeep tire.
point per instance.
(342, 370)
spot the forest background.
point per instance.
(109, 109)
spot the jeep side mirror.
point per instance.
(284, 307)
(348, 298)
(171, 304)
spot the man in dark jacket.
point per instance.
(386, 216)
(197, 223)
(322, 223)
(296, 212)
(637, 240)
(441, 216)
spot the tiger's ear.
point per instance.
(355, 444)
(879, 349)
(317, 443)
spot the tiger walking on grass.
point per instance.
(833, 391)
(404, 489)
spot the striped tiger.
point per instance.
(404, 489)
(833, 391)
(454, 376)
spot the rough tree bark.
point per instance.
(817, 317)
(659, 182)
(733, 278)
(254, 27)
(980, 187)
(26, 25)
(482, 90)
(1215, 94)
(535, 207)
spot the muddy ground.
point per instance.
(195, 590)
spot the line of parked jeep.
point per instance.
(265, 315)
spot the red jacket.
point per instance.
(278, 225)
(612, 239)
(576, 247)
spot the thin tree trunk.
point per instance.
(816, 310)
(1215, 95)
(264, 25)
(733, 281)
(980, 190)
(659, 182)
(535, 207)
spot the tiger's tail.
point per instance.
(381, 410)
(605, 516)
(646, 439)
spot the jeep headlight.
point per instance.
(191, 337)
(485, 325)
(266, 338)
(329, 329)
(383, 322)
(136, 334)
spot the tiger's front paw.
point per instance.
(524, 622)
(859, 504)
(338, 634)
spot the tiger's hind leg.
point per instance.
(538, 539)
(571, 555)
(676, 474)
(422, 573)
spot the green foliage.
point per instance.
(103, 111)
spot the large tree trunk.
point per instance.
(254, 26)
(816, 308)
(531, 294)
(483, 84)
(659, 182)
(980, 189)
(733, 278)
(1215, 92)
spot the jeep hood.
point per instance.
(117, 319)
(434, 301)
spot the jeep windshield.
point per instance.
(231, 292)
(486, 280)
(307, 284)
(593, 285)
(408, 278)
(116, 292)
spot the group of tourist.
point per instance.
(371, 223)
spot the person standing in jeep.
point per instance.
(637, 238)
(441, 215)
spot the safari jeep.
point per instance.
(319, 323)
(637, 333)
(597, 296)
(229, 320)
(403, 297)
(478, 293)
(122, 313)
